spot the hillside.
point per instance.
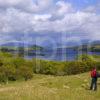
(21, 48)
(13, 45)
(46, 87)
(86, 47)
(92, 47)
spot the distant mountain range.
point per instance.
(16, 44)
(21, 45)
(86, 45)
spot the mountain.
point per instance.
(16, 44)
(85, 46)
(21, 45)
(93, 46)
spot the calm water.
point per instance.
(59, 55)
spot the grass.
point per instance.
(47, 87)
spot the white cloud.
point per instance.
(93, 8)
(27, 16)
(26, 5)
(61, 8)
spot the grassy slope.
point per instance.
(44, 87)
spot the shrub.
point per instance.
(18, 61)
(86, 57)
(8, 73)
(60, 68)
(4, 54)
(47, 67)
(25, 72)
(75, 67)
(3, 77)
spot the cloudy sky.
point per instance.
(49, 20)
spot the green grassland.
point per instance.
(48, 87)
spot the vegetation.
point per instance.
(44, 84)
(17, 68)
(14, 68)
(36, 47)
(21, 49)
(48, 87)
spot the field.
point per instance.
(47, 87)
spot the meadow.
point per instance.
(49, 87)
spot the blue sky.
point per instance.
(82, 2)
(59, 21)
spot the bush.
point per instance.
(25, 72)
(47, 67)
(86, 57)
(76, 67)
(60, 68)
(3, 77)
(11, 68)
(7, 73)
(18, 61)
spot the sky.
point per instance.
(49, 21)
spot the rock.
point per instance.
(66, 87)
(83, 85)
(85, 80)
